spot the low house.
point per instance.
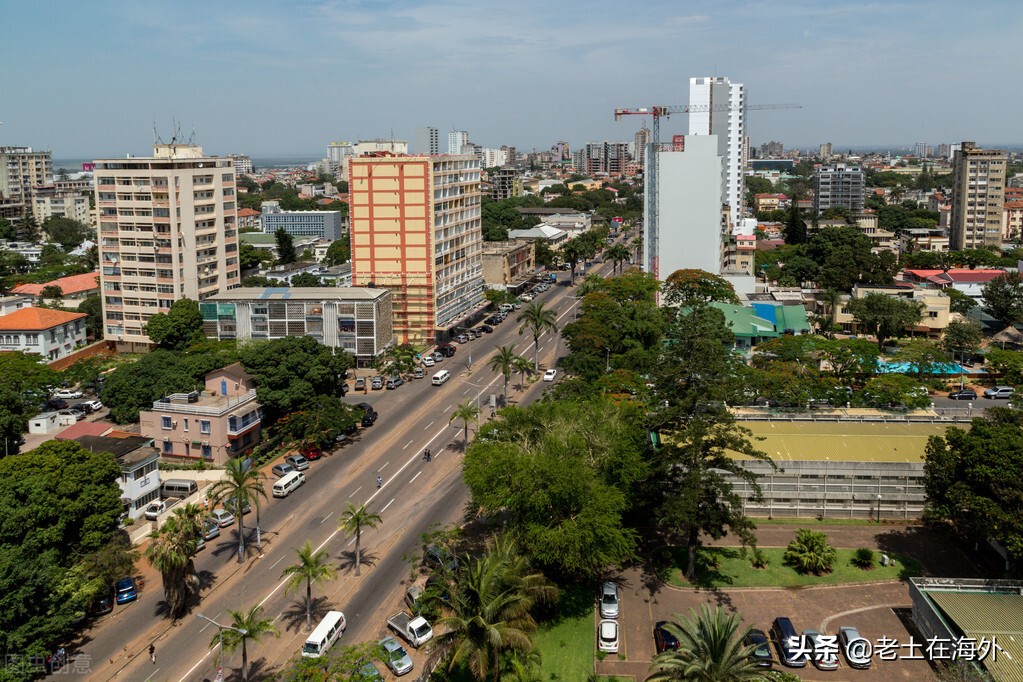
(50, 334)
(509, 265)
(969, 282)
(936, 310)
(140, 472)
(551, 235)
(74, 289)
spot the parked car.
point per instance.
(223, 517)
(762, 653)
(999, 393)
(462, 338)
(607, 636)
(786, 639)
(446, 349)
(81, 410)
(311, 451)
(428, 361)
(154, 510)
(609, 600)
(394, 382)
(369, 415)
(395, 656)
(298, 461)
(823, 650)
(418, 373)
(279, 470)
(102, 605)
(436, 557)
(94, 405)
(664, 640)
(857, 649)
(57, 404)
(963, 394)
(360, 384)
(68, 394)
(415, 630)
(550, 374)
(210, 529)
(126, 590)
(230, 506)
(369, 673)
(487, 329)
(438, 357)
(79, 415)
(377, 383)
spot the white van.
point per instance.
(441, 377)
(178, 487)
(325, 634)
(284, 485)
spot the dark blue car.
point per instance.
(126, 591)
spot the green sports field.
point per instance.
(845, 441)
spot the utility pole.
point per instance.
(221, 628)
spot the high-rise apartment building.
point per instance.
(456, 140)
(340, 152)
(510, 154)
(772, 150)
(978, 197)
(605, 157)
(561, 151)
(415, 228)
(167, 230)
(505, 183)
(242, 163)
(22, 170)
(723, 103)
(426, 141)
(639, 144)
(838, 185)
(492, 158)
(826, 151)
(944, 151)
(689, 233)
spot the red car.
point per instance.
(311, 451)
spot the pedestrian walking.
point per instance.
(426, 455)
(152, 654)
(380, 482)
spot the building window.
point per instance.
(166, 422)
(168, 447)
(186, 423)
(207, 451)
(204, 426)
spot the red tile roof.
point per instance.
(75, 284)
(1015, 203)
(247, 213)
(34, 319)
(83, 429)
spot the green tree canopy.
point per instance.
(885, 316)
(292, 371)
(338, 253)
(689, 287)
(249, 257)
(178, 328)
(25, 384)
(1003, 298)
(285, 246)
(67, 232)
(306, 279)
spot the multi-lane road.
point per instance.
(416, 496)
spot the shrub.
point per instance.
(863, 558)
(759, 558)
(809, 552)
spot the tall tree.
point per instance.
(695, 378)
(243, 486)
(961, 303)
(93, 307)
(537, 318)
(688, 287)
(25, 382)
(285, 246)
(312, 568)
(885, 316)
(795, 227)
(338, 253)
(353, 520)
(504, 362)
(178, 328)
(618, 254)
(67, 232)
(711, 649)
(305, 279)
(170, 552)
(1003, 298)
(292, 371)
(246, 626)
(468, 412)
(961, 338)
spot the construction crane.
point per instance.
(653, 147)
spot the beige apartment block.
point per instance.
(415, 229)
(508, 265)
(936, 311)
(212, 425)
(167, 230)
(978, 197)
(22, 172)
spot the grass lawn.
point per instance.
(566, 645)
(725, 567)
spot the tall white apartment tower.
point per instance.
(167, 230)
(426, 141)
(456, 140)
(723, 108)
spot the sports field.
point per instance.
(845, 441)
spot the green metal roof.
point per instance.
(745, 323)
(987, 614)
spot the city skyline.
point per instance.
(274, 79)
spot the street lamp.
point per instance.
(221, 628)
(879, 507)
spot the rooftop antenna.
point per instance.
(156, 135)
(191, 138)
(174, 130)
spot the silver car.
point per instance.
(857, 649)
(395, 656)
(609, 600)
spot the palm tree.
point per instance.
(504, 362)
(571, 252)
(895, 194)
(254, 628)
(312, 567)
(489, 612)
(171, 552)
(810, 552)
(353, 520)
(244, 487)
(637, 244)
(711, 649)
(523, 367)
(618, 254)
(591, 282)
(537, 318)
(467, 412)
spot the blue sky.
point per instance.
(277, 78)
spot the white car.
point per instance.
(607, 636)
(222, 517)
(526, 297)
(609, 600)
(428, 361)
(68, 394)
(94, 405)
(550, 374)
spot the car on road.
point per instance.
(999, 393)
(395, 656)
(223, 517)
(369, 415)
(210, 529)
(369, 673)
(857, 650)
(418, 373)
(494, 319)
(607, 636)
(80, 409)
(963, 394)
(394, 382)
(762, 653)
(526, 297)
(487, 329)
(126, 590)
(609, 601)
(230, 506)
(102, 605)
(428, 361)
(298, 461)
(462, 338)
(377, 383)
(436, 557)
(68, 394)
(279, 470)
(94, 405)
(823, 649)
(360, 384)
(664, 640)
(550, 374)
(438, 357)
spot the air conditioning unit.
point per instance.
(174, 423)
(166, 440)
